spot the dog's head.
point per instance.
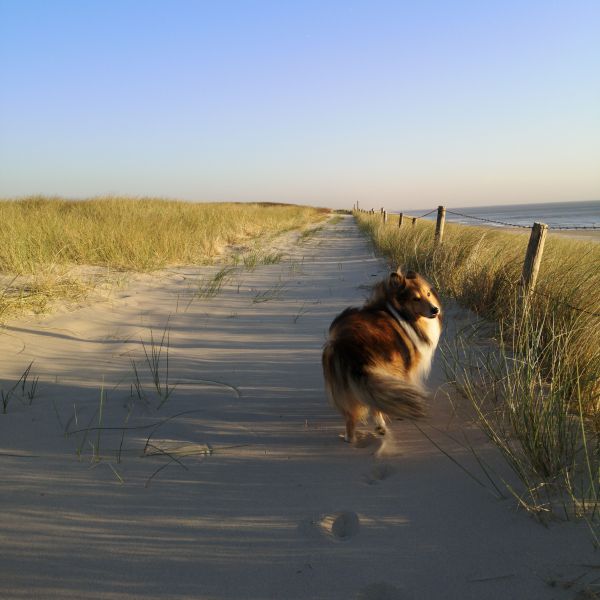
(412, 295)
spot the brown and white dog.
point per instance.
(377, 356)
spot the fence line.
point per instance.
(505, 223)
(488, 220)
(533, 256)
(426, 214)
(570, 227)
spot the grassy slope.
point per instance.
(130, 234)
(548, 370)
(45, 237)
(481, 268)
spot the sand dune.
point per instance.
(226, 478)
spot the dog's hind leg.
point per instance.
(350, 436)
(380, 426)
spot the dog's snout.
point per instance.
(435, 310)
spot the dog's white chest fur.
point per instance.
(432, 329)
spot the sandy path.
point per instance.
(258, 498)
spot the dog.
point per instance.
(377, 357)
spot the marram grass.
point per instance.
(481, 268)
(132, 234)
(538, 396)
(44, 238)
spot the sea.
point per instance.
(554, 214)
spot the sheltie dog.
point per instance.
(377, 357)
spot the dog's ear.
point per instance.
(397, 280)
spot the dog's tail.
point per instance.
(372, 387)
(391, 394)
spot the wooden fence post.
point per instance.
(384, 215)
(414, 221)
(400, 220)
(439, 226)
(533, 257)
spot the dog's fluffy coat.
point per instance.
(377, 356)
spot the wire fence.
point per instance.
(534, 250)
(567, 227)
(507, 224)
(426, 214)
(452, 212)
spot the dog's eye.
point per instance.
(428, 294)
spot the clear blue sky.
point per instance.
(394, 103)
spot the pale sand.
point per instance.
(265, 501)
(585, 235)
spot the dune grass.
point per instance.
(537, 396)
(133, 234)
(45, 238)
